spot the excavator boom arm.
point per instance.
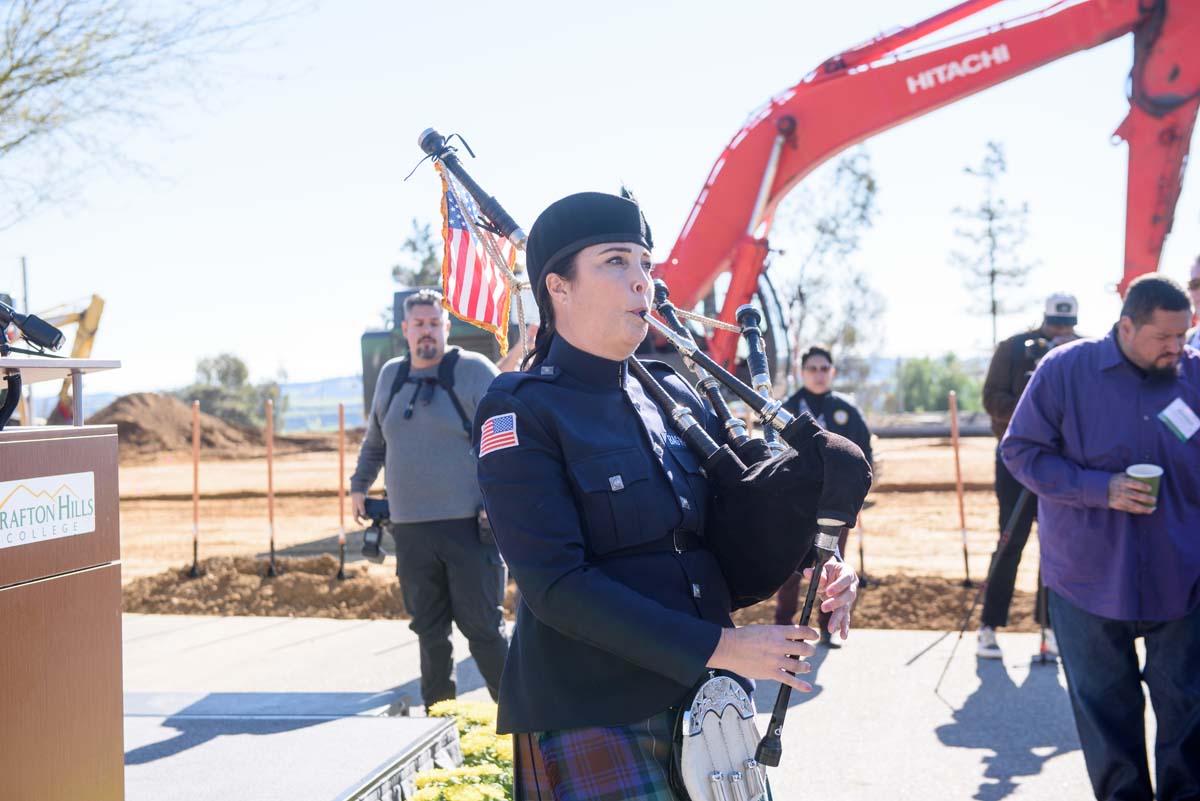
(871, 88)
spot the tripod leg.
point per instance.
(1005, 536)
(1040, 610)
(1009, 527)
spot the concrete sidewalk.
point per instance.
(873, 727)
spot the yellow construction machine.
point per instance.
(87, 320)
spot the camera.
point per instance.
(1038, 347)
(377, 510)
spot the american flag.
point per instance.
(498, 432)
(475, 288)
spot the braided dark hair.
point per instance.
(541, 343)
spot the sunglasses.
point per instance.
(813, 368)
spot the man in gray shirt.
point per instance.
(419, 432)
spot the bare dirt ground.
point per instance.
(911, 539)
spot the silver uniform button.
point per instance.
(616, 483)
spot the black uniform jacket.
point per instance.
(586, 500)
(1010, 370)
(837, 414)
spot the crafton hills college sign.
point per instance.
(46, 508)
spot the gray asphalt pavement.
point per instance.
(872, 729)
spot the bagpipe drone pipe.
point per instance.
(763, 524)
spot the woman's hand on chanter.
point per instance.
(838, 588)
(766, 652)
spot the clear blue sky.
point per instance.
(276, 206)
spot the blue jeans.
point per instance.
(1106, 695)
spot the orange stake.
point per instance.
(195, 488)
(271, 479)
(341, 474)
(341, 574)
(958, 483)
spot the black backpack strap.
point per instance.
(446, 379)
(397, 382)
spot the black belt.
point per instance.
(677, 541)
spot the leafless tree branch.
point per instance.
(77, 76)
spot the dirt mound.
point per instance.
(151, 425)
(240, 586)
(308, 587)
(914, 602)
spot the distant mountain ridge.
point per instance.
(313, 405)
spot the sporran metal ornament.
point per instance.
(715, 743)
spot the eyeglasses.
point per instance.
(1194, 283)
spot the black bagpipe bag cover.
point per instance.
(762, 526)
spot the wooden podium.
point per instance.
(60, 603)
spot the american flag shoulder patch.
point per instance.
(498, 432)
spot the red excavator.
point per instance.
(878, 85)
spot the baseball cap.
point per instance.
(1062, 309)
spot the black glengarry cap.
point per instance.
(578, 221)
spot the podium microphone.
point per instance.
(36, 331)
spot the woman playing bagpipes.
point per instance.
(603, 516)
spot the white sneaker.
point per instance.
(987, 647)
(1050, 648)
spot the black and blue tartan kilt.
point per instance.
(612, 763)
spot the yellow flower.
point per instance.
(477, 741)
(427, 794)
(432, 776)
(504, 747)
(444, 709)
(476, 712)
(485, 769)
(476, 723)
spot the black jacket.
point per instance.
(836, 414)
(1007, 375)
(604, 635)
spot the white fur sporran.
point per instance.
(715, 741)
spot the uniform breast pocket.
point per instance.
(697, 482)
(613, 485)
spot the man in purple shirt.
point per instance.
(1118, 564)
